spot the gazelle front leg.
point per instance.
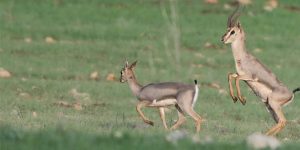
(230, 77)
(238, 90)
(139, 106)
(237, 84)
(162, 116)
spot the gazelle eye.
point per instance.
(232, 32)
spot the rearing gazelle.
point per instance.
(259, 78)
(160, 95)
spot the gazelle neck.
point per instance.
(134, 85)
(238, 48)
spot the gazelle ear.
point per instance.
(133, 65)
(239, 25)
(126, 64)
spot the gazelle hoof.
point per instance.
(234, 99)
(242, 100)
(149, 122)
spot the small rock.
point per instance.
(111, 77)
(245, 2)
(94, 75)
(34, 114)
(24, 95)
(227, 7)
(77, 106)
(49, 40)
(210, 45)
(28, 40)
(270, 5)
(211, 1)
(222, 92)
(4, 73)
(286, 139)
(260, 141)
(175, 136)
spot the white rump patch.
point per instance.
(291, 100)
(196, 95)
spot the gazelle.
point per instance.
(259, 78)
(160, 95)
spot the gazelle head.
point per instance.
(234, 28)
(127, 72)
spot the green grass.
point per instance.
(98, 35)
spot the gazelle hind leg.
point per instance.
(272, 112)
(162, 116)
(185, 101)
(181, 118)
(139, 107)
(281, 119)
(196, 118)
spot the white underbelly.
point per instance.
(163, 103)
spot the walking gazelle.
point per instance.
(160, 95)
(259, 78)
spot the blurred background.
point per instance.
(60, 64)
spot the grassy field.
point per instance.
(52, 46)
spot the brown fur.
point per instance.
(160, 95)
(258, 77)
